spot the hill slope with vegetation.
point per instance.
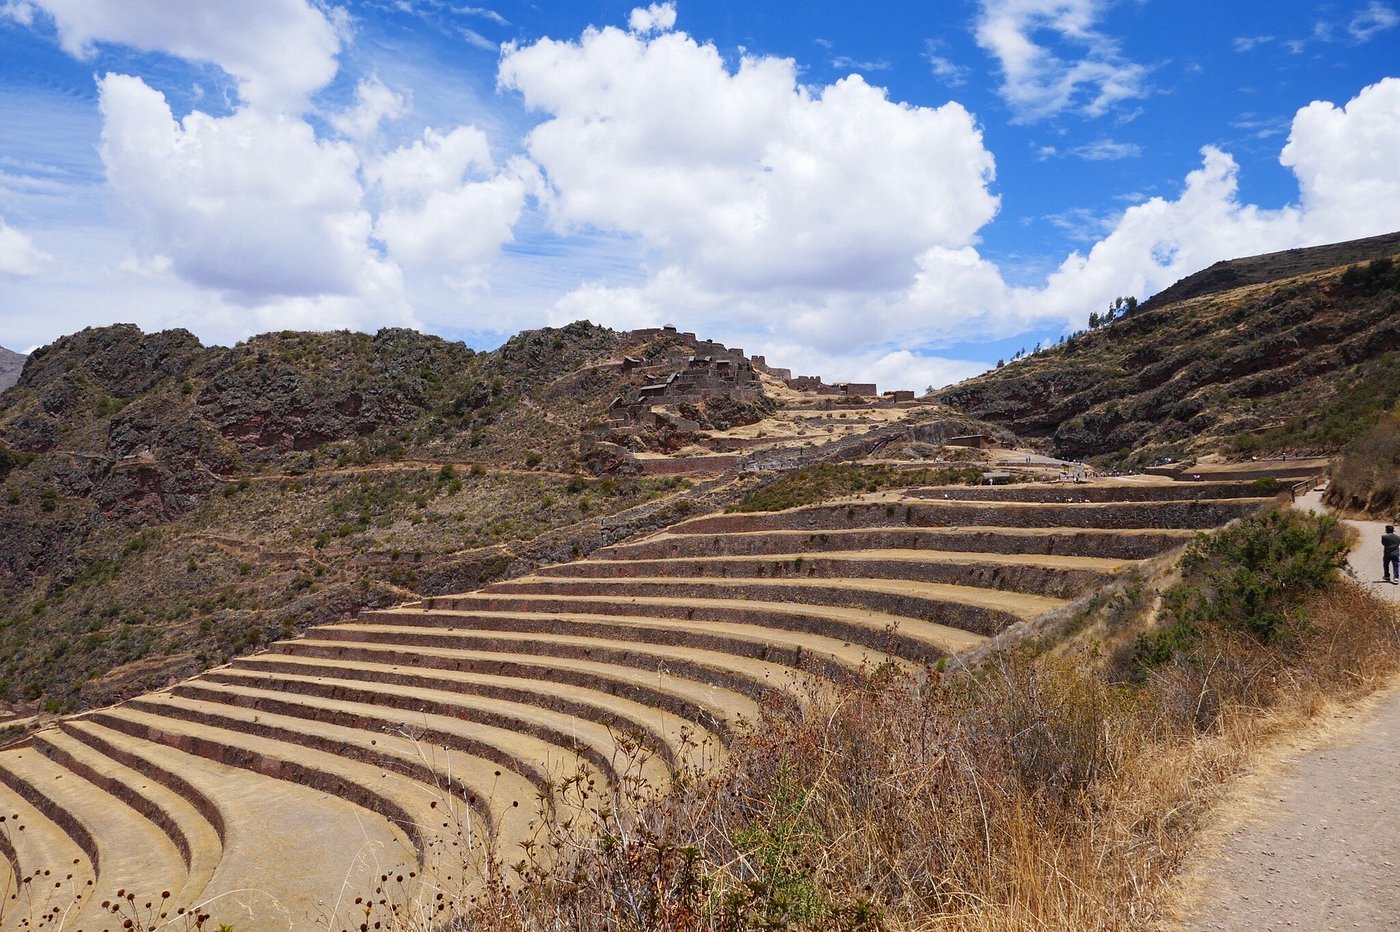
(1300, 363)
(168, 505)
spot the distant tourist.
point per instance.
(1390, 557)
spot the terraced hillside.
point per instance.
(1294, 352)
(407, 740)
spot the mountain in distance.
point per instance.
(166, 506)
(1286, 352)
(10, 365)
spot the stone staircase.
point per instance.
(287, 782)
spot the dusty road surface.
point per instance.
(1321, 851)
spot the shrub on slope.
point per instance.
(1368, 477)
(1038, 791)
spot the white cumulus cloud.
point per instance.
(656, 18)
(448, 210)
(252, 205)
(747, 178)
(279, 51)
(1345, 159)
(19, 257)
(374, 103)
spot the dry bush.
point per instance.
(1034, 792)
(1368, 477)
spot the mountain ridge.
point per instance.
(1273, 364)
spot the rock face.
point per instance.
(10, 365)
(140, 525)
(1267, 364)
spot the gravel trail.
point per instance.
(1321, 850)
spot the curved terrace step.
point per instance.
(60, 870)
(422, 774)
(1188, 514)
(358, 782)
(1088, 492)
(28, 775)
(981, 611)
(270, 823)
(126, 848)
(831, 641)
(542, 762)
(1118, 544)
(597, 741)
(670, 732)
(758, 679)
(716, 708)
(1053, 575)
(192, 836)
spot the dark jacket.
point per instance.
(1391, 543)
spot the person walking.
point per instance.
(1390, 555)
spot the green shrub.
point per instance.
(1251, 578)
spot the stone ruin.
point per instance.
(689, 372)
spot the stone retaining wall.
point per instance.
(1126, 546)
(1056, 582)
(1074, 492)
(1191, 515)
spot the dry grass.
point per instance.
(1036, 792)
(1043, 790)
(1367, 480)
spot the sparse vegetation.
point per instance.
(1368, 477)
(1038, 791)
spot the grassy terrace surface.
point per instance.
(451, 726)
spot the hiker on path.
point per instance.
(1390, 554)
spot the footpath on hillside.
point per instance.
(1322, 851)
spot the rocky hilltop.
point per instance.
(159, 493)
(1293, 351)
(10, 365)
(170, 505)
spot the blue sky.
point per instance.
(899, 191)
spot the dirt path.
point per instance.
(1322, 848)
